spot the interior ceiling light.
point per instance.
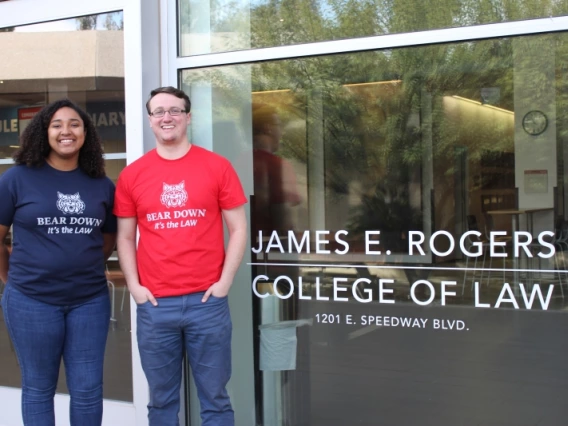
(373, 83)
(271, 91)
(471, 101)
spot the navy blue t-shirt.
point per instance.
(58, 223)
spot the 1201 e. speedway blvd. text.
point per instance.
(390, 321)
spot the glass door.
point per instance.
(55, 50)
(376, 297)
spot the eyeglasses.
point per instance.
(159, 113)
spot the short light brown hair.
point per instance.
(170, 90)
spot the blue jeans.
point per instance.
(204, 331)
(42, 334)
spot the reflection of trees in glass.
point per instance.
(562, 89)
(87, 22)
(262, 23)
(110, 21)
(114, 21)
(284, 22)
(381, 112)
(386, 209)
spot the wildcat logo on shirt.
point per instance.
(174, 195)
(70, 204)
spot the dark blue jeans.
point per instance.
(42, 334)
(204, 331)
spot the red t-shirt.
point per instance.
(178, 205)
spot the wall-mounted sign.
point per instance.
(108, 118)
(25, 115)
(8, 126)
(536, 181)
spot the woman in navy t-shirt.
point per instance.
(56, 305)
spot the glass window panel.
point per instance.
(95, 81)
(220, 26)
(455, 153)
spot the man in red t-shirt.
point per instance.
(178, 196)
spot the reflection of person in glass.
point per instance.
(275, 195)
(274, 179)
(56, 302)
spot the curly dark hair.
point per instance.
(34, 144)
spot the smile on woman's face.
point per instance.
(66, 135)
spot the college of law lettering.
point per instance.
(174, 195)
(70, 204)
(511, 294)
